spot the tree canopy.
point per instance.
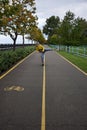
(17, 18)
(36, 35)
(51, 26)
(68, 31)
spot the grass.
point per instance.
(78, 61)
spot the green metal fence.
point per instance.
(80, 51)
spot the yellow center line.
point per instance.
(43, 100)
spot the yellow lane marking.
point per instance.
(2, 76)
(15, 88)
(43, 100)
(73, 65)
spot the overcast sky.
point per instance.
(48, 8)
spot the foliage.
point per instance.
(68, 31)
(36, 35)
(78, 32)
(52, 24)
(66, 28)
(53, 39)
(9, 58)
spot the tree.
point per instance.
(17, 18)
(79, 29)
(51, 26)
(36, 35)
(66, 28)
(69, 31)
(53, 39)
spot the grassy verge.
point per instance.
(78, 61)
(10, 57)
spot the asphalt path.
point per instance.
(21, 110)
(52, 97)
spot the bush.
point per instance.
(9, 58)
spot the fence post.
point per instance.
(77, 51)
(72, 49)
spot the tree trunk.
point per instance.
(14, 44)
(14, 38)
